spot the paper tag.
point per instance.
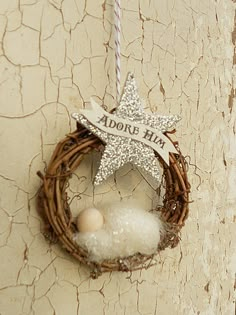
(118, 126)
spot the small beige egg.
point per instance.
(90, 220)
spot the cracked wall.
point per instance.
(55, 55)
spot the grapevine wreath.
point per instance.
(53, 200)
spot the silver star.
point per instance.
(121, 150)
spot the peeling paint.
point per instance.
(55, 55)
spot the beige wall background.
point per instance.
(55, 55)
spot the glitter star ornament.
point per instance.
(120, 150)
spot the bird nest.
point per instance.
(53, 201)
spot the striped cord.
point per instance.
(117, 10)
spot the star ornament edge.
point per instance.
(120, 150)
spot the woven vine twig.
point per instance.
(54, 206)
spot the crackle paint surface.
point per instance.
(55, 55)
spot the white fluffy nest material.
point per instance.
(128, 229)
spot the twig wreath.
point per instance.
(53, 201)
(127, 134)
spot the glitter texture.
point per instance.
(120, 150)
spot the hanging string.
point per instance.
(117, 46)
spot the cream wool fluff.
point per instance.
(128, 229)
